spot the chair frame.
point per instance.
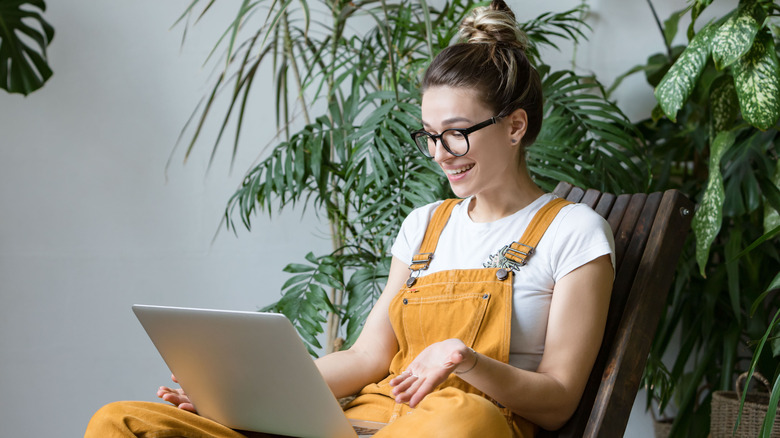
(650, 230)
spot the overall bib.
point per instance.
(473, 305)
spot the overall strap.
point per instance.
(440, 217)
(519, 250)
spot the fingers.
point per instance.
(188, 407)
(176, 397)
(425, 387)
(407, 389)
(403, 382)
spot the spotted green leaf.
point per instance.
(708, 217)
(735, 36)
(757, 79)
(679, 81)
(723, 104)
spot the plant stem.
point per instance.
(336, 296)
(288, 49)
(661, 29)
(390, 52)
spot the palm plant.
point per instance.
(715, 136)
(23, 69)
(346, 84)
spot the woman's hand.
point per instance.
(177, 397)
(429, 369)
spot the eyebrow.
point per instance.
(449, 121)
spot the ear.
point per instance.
(518, 122)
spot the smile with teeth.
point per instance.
(458, 170)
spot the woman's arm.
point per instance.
(549, 396)
(368, 360)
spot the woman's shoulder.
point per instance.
(581, 216)
(421, 215)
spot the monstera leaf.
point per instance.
(24, 36)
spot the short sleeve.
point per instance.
(412, 231)
(581, 236)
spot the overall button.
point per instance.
(486, 296)
(406, 301)
(502, 274)
(410, 281)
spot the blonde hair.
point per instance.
(491, 59)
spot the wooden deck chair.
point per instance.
(649, 230)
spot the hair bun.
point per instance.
(495, 24)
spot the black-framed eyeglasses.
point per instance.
(454, 140)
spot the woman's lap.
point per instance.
(449, 412)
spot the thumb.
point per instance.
(456, 357)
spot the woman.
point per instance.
(496, 329)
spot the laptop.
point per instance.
(248, 371)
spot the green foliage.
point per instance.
(719, 144)
(709, 215)
(23, 69)
(735, 36)
(740, 40)
(678, 83)
(757, 79)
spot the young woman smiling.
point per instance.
(495, 305)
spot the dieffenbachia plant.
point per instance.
(741, 45)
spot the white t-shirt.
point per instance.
(576, 236)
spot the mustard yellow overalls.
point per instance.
(473, 305)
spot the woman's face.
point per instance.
(492, 159)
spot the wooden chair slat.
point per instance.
(562, 189)
(626, 228)
(576, 194)
(615, 214)
(591, 198)
(605, 204)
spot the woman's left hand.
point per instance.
(429, 369)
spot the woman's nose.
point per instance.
(440, 153)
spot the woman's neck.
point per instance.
(492, 205)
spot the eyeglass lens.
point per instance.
(455, 142)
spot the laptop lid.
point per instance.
(246, 370)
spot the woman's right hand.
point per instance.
(177, 397)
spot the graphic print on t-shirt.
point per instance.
(499, 260)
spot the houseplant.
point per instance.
(24, 69)
(714, 135)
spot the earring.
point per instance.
(514, 140)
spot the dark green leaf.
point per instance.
(773, 286)
(772, 214)
(671, 25)
(753, 363)
(296, 267)
(774, 398)
(23, 69)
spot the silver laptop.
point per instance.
(248, 371)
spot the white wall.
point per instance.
(89, 223)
